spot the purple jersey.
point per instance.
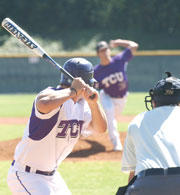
(112, 78)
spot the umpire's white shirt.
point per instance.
(153, 140)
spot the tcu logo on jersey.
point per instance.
(71, 127)
(113, 79)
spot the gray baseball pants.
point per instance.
(155, 185)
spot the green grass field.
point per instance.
(82, 178)
(16, 105)
(8, 132)
(19, 105)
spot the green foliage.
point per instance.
(66, 19)
(73, 14)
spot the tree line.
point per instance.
(54, 16)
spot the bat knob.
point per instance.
(92, 96)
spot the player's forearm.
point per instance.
(99, 122)
(126, 43)
(50, 100)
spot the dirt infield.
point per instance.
(14, 121)
(90, 148)
(87, 149)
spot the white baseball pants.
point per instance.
(113, 108)
(23, 183)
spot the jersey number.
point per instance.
(72, 127)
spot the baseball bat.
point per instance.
(28, 41)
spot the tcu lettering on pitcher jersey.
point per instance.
(112, 78)
(49, 138)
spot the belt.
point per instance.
(160, 171)
(28, 169)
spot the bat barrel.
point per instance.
(23, 36)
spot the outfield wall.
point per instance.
(29, 74)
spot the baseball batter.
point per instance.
(59, 116)
(113, 82)
(152, 146)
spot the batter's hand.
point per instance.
(79, 85)
(90, 94)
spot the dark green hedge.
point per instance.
(53, 17)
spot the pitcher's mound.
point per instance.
(87, 149)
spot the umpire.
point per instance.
(152, 146)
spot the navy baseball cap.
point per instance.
(164, 86)
(165, 92)
(78, 67)
(102, 45)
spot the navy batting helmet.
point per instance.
(78, 67)
(166, 92)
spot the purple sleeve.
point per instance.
(40, 125)
(97, 72)
(39, 128)
(126, 55)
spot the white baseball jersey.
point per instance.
(49, 138)
(153, 140)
